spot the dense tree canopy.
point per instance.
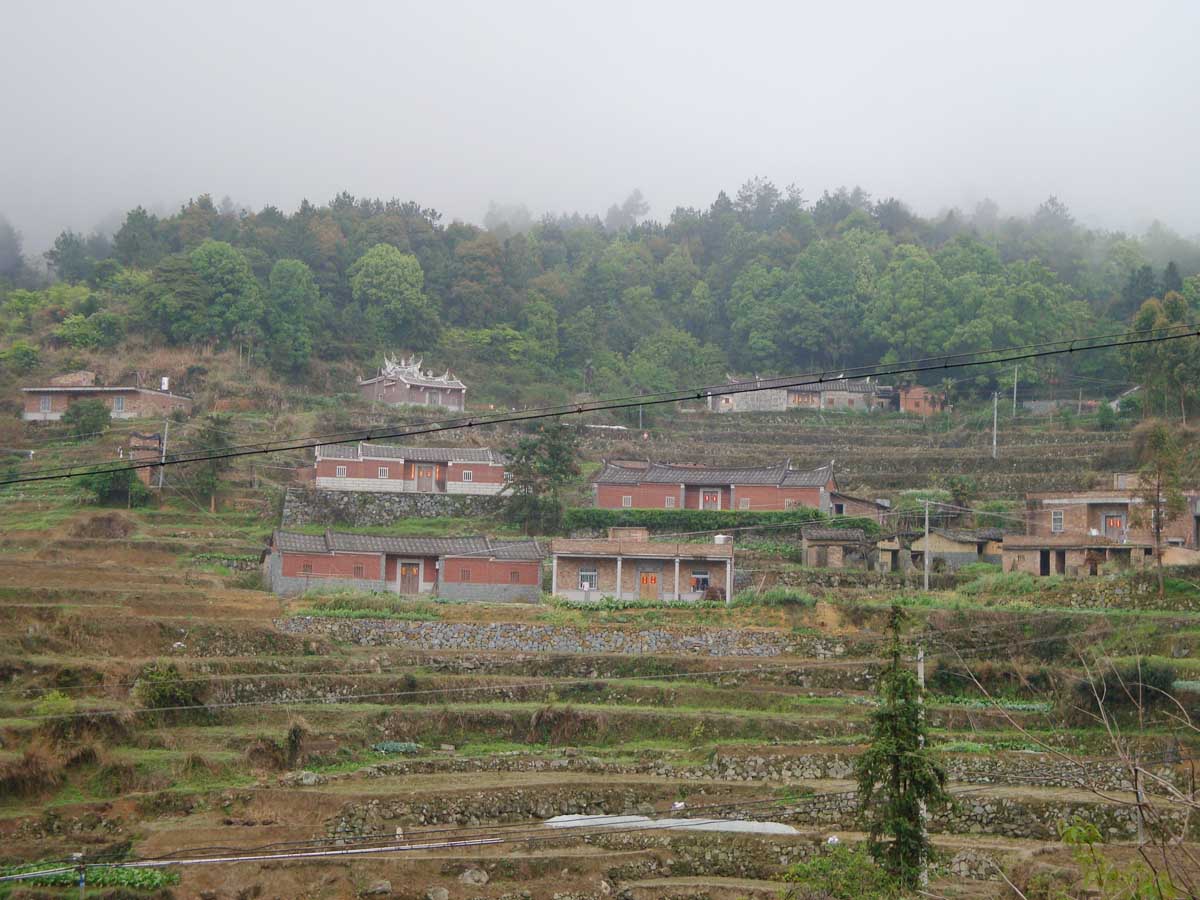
(761, 282)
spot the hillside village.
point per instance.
(372, 635)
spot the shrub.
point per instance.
(1126, 687)
(86, 418)
(162, 687)
(54, 703)
(776, 596)
(668, 521)
(20, 357)
(407, 748)
(840, 872)
(119, 486)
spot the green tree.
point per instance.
(1162, 465)
(898, 778)
(540, 466)
(213, 438)
(389, 287)
(87, 417)
(292, 305)
(20, 357)
(69, 257)
(138, 243)
(234, 303)
(116, 486)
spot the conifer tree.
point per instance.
(898, 779)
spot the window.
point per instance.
(700, 580)
(359, 572)
(508, 476)
(306, 569)
(118, 404)
(789, 504)
(1056, 521)
(468, 475)
(627, 501)
(669, 503)
(340, 471)
(588, 579)
(464, 574)
(44, 404)
(744, 503)
(839, 509)
(383, 471)
(514, 577)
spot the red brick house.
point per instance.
(664, 486)
(629, 564)
(47, 404)
(407, 470)
(919, 400)
(468, 568)
(402, 381)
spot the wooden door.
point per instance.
(649, 587)
(1113, 526)
(711, 500)
(410, 578)
(425, 479)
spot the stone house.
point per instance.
(403, 382)
(846, 505)
(1072, 555)
(1115, 514)
(669, 486)
(48, 403)
(468, 568)
(836, 548)
(629, 564)
(385, 468)
(782, 394)
(951, 549)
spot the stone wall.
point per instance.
(356, 508)
(532, 638)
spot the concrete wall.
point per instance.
(568, 569)
(505, 593)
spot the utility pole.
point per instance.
(925, 555)
(995, 411)
(163, 455)
(1015, 366)
(921, 712)
(1079, 406)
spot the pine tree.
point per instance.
(897, 775)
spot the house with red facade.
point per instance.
(666, 486)
(403, 382)
(49, 402)
(464, 568)
(385, 468)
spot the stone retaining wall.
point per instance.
(531, 638)
(357, 508)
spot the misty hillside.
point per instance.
(761, 281)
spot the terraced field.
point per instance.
(153, 701)
(885, 454)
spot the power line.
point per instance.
(656, 399)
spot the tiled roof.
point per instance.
(660, 473)
(1031, 542)
(645, 549)
(815, 478)
(516, 550)
(966, 536)
(364, 450)
(809, 384)
(843, 535)
(331, 541)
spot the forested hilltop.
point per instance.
(536, 310)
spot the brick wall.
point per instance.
(632, 570)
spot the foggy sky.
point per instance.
(566, 106)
